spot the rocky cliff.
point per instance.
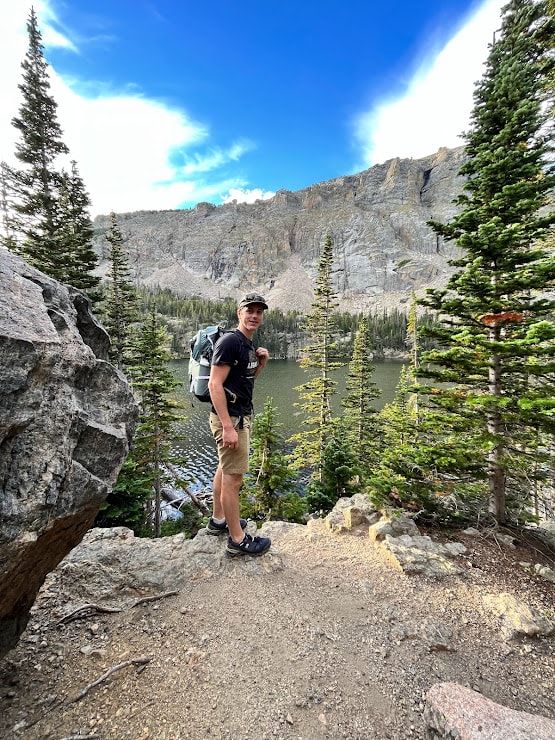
(66, 418)
(383, 246)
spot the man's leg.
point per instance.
(218, 509)
(229, 498)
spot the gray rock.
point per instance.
(437, 635)
(113, 567)
(394, 527)
(420, 554)
(66, 417)
(507, 540)
(349, 513)
(546, 530)
(544, 572)
(517, 618)
(456, 712)
(411, 552)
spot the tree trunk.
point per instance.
(157, 487)
(496, 478)
(496, 472)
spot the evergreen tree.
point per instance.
(340, 472)
(154, 382)
(127, 504)
(361, 417)
(120, 308)
(497, 336)
(6, 200)
(75, 233)
(34, 217)
(267, 492)
(319, 356)
(428, 462)
(398, 415)
(45, 211)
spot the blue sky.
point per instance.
(166, 103)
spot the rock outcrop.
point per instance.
(378, 218)
(66, 418)
(517, 619)
(454, 711)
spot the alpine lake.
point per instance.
(193, 441)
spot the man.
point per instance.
(235, 365)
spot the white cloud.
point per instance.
(123, 146)
(436, 107)
(242, 195)
(132, 153)
(216, 158)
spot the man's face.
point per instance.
(250, 317)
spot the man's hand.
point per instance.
(263, 355)
(230, 437)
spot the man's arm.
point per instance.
(218, 376)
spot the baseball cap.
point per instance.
(246, 300)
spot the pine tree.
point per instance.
(120, 308)
(33, 220)
(497, 336)
(340, 472)
(154, 382)
(6, 200)
(267, 491)
(75, 233)
(360, 416)
(319, 356)
(45, 211)
(127, 504)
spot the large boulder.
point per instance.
(454, 711)
(66, 419)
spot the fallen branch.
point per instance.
(156, 597)
(140, 709)
(201, 506)
(134, 661)
(79, 613)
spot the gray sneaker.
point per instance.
(213, 528)
(248, 546)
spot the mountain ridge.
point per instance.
(378, 220)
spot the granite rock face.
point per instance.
(378, 218)
(66, 418)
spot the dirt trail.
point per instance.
(320, 638)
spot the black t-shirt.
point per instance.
(237, 351)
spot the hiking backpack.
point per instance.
(200, 358)
(202, 349)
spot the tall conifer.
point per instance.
(75, 232)
(267, 491)
(360, 416)
(34, 214)
(497, 336)
(318, 358)
(120, 308)
(154, 382)
(45, 209)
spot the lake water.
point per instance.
(277, 381)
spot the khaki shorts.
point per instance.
(233, 461)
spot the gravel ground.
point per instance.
(320, 638)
